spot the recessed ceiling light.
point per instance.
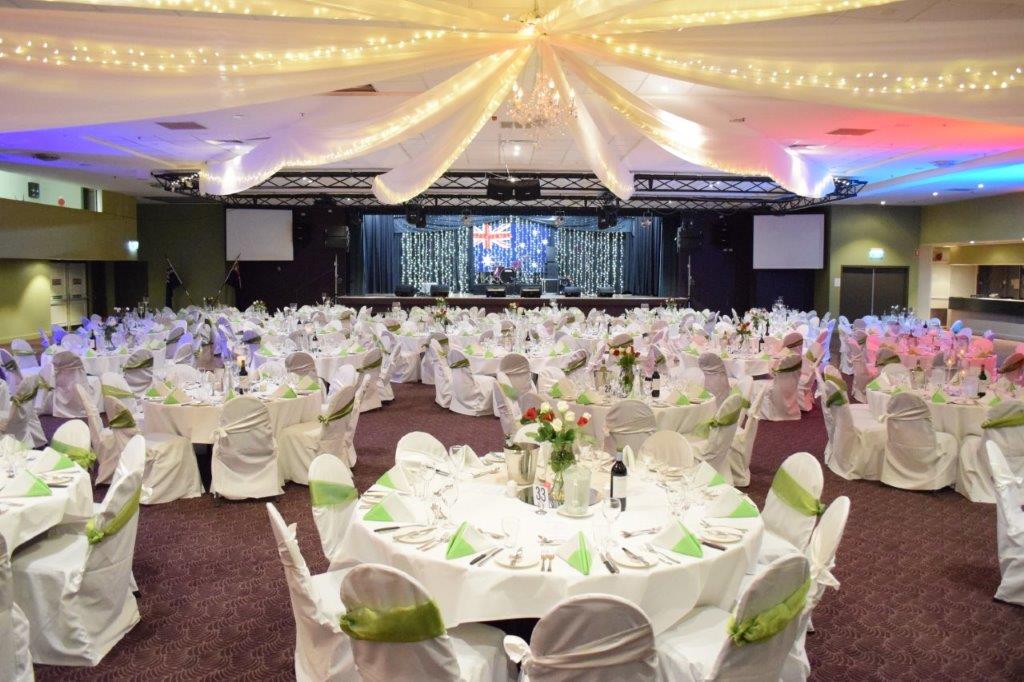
(971, 242)
(935, 194)
(981, 185)
(883, 203)
(237, 115)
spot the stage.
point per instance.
(613, 305)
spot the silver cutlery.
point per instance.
(490, 555)
(516, 557)
(612, 568)
(434, 542)
(484, 472)
(636, 557)
(651, 547)
(642, 531)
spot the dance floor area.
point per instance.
(917, 572)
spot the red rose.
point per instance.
(530, 414)
(548, 416)
(582, 421)
(615, 352)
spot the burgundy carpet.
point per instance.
(918, 571)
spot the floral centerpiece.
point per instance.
(671, 303)
(440, 311)
(561, 427)
(258, 307)
(625, 358)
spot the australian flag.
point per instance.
(511, 243)
(235, 276)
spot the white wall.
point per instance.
(15, 186)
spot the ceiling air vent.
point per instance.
(181, 125)
(854, 132)
(45, 156)
(944, 163)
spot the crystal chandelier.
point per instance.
(542, 108)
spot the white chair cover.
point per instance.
(244, 464)
(15, 658)
(73, 438)
(429, 360)
(742, 450)
(808, 374)
(629, 422)
(333, 497)
(856, 441)
(469, 653)
(22, 421)
(5, 398)
(442, 375)
(387, 371)
(371, 370)
(75, 583)
(517, 368)
(780, 402)
(861, 374)
(917, 457)
(322, 651)
(24, 356)
(405, 364)
(1004, 426)
(114, 384)
(788, 527)
(180, 375)
(419, 446)
(793, 341)
(668, 448)
(69, 372)
(506, 403)
(1009, 527)
(11, 371)
(714, 448)
(592, 637)
(301, 363)
(471, 393)
(299, 444)
(716, 379)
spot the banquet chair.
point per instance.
(471, 393)
(387, 372)
(405, 364)
(861, 374)
(5, 400)
(115, 385)
(299, 444)
(742, 449)
(428, 362)
(716, 379)
(332, 496)
(442, 375)
(629, 422)
(22, 421)
(76, 343)
(620, 340)
(172, 339)
(171, 472)
(808, 376)
(1009, 527)
(15, 658)
(138, 371)
(75, 583)
(11, 371)
(668, 448)
(724, 646)
(712, 440)
(856, 441)
(74, 439)
(780, 402)
(548, 377)
(792, 507)
(917, 457)
(1012, 368)
(416, 647)
(244, 463)
(302, 363)
(68, 372)
(577, 366)
(345, 375)
(104, 441)
(419, 446)
(58, 332)
(184, 352)
(24, 357)
(793, 342)
(322, 651)
(517, 368)
(370, 370)
(1003, 426)
(530, 400)
(597, 638)
(506, 404)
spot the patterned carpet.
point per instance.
(918, 571)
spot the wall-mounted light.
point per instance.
(132, 245)
(876, 253)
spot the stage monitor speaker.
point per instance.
(494, 291)
(527, 189)
(405, 290)
(336, 237)
(605, 292)
(505, 189)
(572, 292)
(439, 290)
(530, 291)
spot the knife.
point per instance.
(635, 557)
(487, 556)
(387, 529)
(612, 568)
(713, 545)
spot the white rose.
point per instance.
(586, 415)
(570, 416)
(544, 407)
(557, 425)
(562, 406)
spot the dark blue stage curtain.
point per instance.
(381, 252)
(642, 269)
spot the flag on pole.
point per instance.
(234, 279)
(173, 282)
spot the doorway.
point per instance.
(870, 290)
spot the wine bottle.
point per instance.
(620, 480)
(982, 382)
(656, 384)
(243, 378)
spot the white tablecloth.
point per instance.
(197, 422)
(480, 364)
(738, 366)
(326, 363)
(413, 343)
(24, 518)
(958, 420)
(467, 593)
(679, 418)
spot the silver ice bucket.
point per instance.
(522, 463)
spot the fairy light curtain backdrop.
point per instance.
(463, 252)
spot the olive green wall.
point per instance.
(853, 230)
(24, 298)
(987, 254)
(192, 236)
(33, 230)
(999, 218)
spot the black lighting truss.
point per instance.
(577, 193)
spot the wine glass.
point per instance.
(611, 510)
(449, 495)
(456, 460)
(510, 527)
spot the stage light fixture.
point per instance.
(559, 219)
(723, 235)
(415, 215)
(607, 217)
(646, 220)
(466, 220)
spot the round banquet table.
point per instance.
(489, 362)
(197, 422)
(737, 366)
(23, 518)
(413, 343)
(467, 594)
(961, 418)
(326, 363)
(678, 418)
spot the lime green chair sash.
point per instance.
(1004, 422)
(703, 429)
(341, 413)
(115, 392)
(838, 381)
(397, 624)
(459, 364)
(27, 397)
(769, 623)
(784, 370)
(122, 420)
(787, 489)
(139, 364)
(23, 351)
(892, 360)
(96, 534)
(329, 494)
(373, 365)
(83, 457)
(837, 398)
(573, 366)
(510, 391)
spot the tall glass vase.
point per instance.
(561, 459)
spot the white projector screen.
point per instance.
(259, 234)
(789, 242)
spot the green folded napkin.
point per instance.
(584, 399)
(171, 399)
(705, 395)
(995, 401)
(465, 541)
(939, 398)
(682, 399)
(556, 391)
(873, 385)
(678, 538)
(576, 552)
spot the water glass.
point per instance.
(510, 527)
(611, 509)
(456, 460)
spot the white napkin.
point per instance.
(732, 504)
(677, 538)
(50, 460)
(396, 479)
(707, 476)
(394, 507)
(25, 484)
(470, 458)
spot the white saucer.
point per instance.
(588, 513)
(721, 535)
(530, 557)
(415, 536)
(620, 557)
